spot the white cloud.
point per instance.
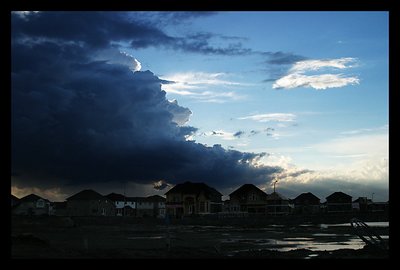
(196, 85)
(358, 177)
(319, 82)
(309, 65)
(271, 117)
(114, 56)
(296, 77)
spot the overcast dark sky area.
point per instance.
(78, 120)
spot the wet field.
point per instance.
(307, 241)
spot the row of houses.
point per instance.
(199, 199)
(192, 199)
(91, 203)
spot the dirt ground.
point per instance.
(58, 237)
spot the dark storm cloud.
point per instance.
(97, 29)
(78, 121)
(172, 18)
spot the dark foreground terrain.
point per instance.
(63, 237)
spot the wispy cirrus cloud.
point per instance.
(364, 130)
(296, 76)
(197, 85)
(271, 117)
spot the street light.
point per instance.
(274, 184)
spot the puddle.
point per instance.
(146, 237)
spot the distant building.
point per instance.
(247, 198)
(277, 204)
(89, 203)
(158, 205)
(338, 202)
(379, 206)
(306, 203)
(193, 198)
(144, 206)
(361, 204)
(60, 208)
(124, 206)
(32, 205)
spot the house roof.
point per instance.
(32, 198)
(276, 196)
(87, 194)
(193, 188)
(363, 199)
(156, 198)
(116, 197)
(306, 196)
(338, 195)
(245, 189)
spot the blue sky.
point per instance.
(308, 89)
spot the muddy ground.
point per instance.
(56, 237)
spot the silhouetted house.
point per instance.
(248, 198)
(361, 204)
(14, 201)
(89, 203)
(379, 206)
(124, 206)
(158, 205)
(32, 205)
(60, 208)
(277, 204)
(338, 202)
(306, 203)
(193, 198)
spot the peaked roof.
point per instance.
(245, 189)
(338, 194)
(87, 194)
(156, 198)
(362, 199)
(306, 196)
(116, 197)
(276, 196)
(193, 188)
(31, 198)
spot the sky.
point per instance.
(136, 102)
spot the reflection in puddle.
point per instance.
(147, 237)
(324, 238)
(311, 256)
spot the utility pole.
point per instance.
(274, 192)
(124, 199)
